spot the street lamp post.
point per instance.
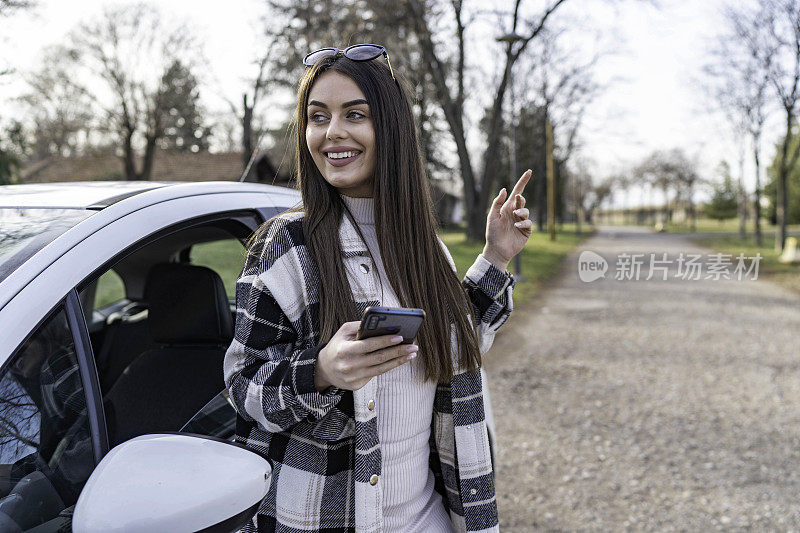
(512, 38)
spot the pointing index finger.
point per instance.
(521, 183)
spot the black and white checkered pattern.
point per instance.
(324, 446)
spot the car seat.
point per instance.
(190, 320)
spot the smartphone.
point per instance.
(391, 320)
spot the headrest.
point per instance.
(187, 305)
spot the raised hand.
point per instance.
(508, 227)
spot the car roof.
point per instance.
(80, 195)
(100, 194)
(96, 204)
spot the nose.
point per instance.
(336, 129)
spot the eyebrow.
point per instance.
(351, 103)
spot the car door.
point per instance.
(144, 388)
(52, 424)
(49, 441)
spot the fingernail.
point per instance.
(517, 211)
(412, 348)
(396, 338)
(412, 356)
(518, 224)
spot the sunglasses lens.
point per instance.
(311, 59)
(363, 52)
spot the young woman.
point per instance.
(367, 435)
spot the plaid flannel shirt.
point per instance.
(324, 445)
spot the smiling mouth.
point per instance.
(339, 159)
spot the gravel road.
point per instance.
(648, 405)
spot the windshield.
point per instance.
(23, 232)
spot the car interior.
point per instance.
(159, 348)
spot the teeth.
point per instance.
(341, 155)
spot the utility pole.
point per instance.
(551, 189)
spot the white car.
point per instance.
(116, 308)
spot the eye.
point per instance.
(316, 118)
(355, 115)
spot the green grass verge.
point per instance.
(769, 267)
(225, 257)
(730, 225)
(541, 259)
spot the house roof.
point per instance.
(202, 166)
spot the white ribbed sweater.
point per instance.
(404, 406)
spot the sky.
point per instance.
(653, 97)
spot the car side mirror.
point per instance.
(173, 482)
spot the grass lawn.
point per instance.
(225, 257)
(541, 258)
(769, 267)
(730, 225)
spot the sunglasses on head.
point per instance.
(357, 52)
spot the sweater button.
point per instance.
(373, 480)
(364, 268)
(371, 405)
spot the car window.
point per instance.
(110, 289)
(25, 231)
(46, 452)
(216, 419)
(225, 257)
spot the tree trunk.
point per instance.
(149, 157)
(128, 157)
(247, 132)
(453, 112)
(540, 185)
(783, 172)
(757, 201)
(491, 156)
(742, 203)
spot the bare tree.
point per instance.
(132, 50)
(560, 89)
(269, 74)
(595, 194)
(740, 79)
(60, 109)
(250, 101)
(675, 174)
(783, 23)
(447, 74)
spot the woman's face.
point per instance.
(340, 134)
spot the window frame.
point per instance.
(88, 371)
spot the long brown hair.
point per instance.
(405, 224)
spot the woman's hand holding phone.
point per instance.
(349, 363)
